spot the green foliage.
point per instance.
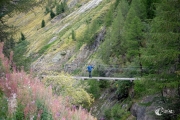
(3, 106)
(22, 37)
(91, 31)
(162, 51)
(59, 9)
(114, 37)
(19, 114)
(116, 113)
(134, 41)
(94, 88)
(62, 7)
(123, 87)
(52, 14)
(9, 45)
(104, 84)
(19, 58)
(46, 114)
(64, 85)
(139, 8)
(150, 8)
(124, 6)
(47, 10)
(73, 35)
(18, 6)
(44, 48)
(149, 86)
(42, 24)
(108, 17)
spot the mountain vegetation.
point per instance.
(121, 38)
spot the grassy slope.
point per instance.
(30, 25)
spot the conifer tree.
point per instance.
(115, 37)
(139, 8)
(117, 34)
(52, 14)
(130, 16)
(58, 9)
(22, 36)
(134, 41)
(65, 6)
(9, 44)
(42, 24)
(124, 7)
(108, 18)
(133, 37)
(163, 46)
(73, 35)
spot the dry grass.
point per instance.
(30, 24)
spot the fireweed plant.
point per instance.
(28, 98)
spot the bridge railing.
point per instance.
(102, 70)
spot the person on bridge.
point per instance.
(89, 68)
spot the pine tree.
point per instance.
(8, 46)
(42, 24)
(52, 14)
(124, 7)
(62, 7)
(108, 17)
(73, 35)
(134, 41)
(58, 9)
(163, 46)
(150, 8)
(22, 37)
(65, 6)
(133, 38)
(117, 34)
(139, 8)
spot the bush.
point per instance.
(42, 24)
(104, 84)
(94, 88)
(73, 35)
(52, 14)
(29, 98)
(116, 113)
(47, 10)
(22, 37)
(64, 85)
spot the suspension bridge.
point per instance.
(103, 78)
(98, 78)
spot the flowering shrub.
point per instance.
(29, 98)
(64, 85)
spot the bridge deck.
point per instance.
(99, 78)
(103, 78)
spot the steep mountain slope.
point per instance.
(129, 42)
(53, 44)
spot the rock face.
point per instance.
(145, 109)
(155, 107)
(73, 3)
(60, 61)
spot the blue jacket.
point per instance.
(90, 68)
